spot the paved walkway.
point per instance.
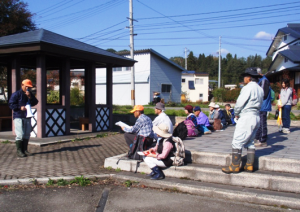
(86, 157)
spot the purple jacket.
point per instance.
(203, 119)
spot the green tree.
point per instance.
(111, 50)
(179, 60)
(15, 17)
(191, 62)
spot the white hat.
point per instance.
(162, 130)
(212, 104)
(216, 106)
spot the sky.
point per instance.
(169, 26)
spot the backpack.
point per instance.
(140, 144)
(295, 98)
(179, 152)
(272, 95)
(191, 129)
(180, 131)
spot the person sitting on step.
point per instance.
(160, 156)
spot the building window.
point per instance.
(191, 85)
(285, 37)
(198, 81)
(166, 88)
(297, 78)
(128, 69)
(201, 96)
(117, 69)
(183, 80)
(286, 60)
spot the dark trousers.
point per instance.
(211, 128)
(262, 131)
(286, 119)
(129, 138)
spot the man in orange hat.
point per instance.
(143, 126)
(17, 103)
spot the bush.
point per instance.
(226, 95)
(76, 98)
(53, 97)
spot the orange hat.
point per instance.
(27, 82)
(137, 107)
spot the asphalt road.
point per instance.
(120, 198)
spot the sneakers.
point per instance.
(207, 132)
(286, 130)
(257, 143)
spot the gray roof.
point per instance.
(293, 53)
(45, 36)
(291, 29)
(156, 53)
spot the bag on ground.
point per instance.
(191, 129)
(140, 144)
(179, 152)
(295, 98)
(180, 131)
(217, 124)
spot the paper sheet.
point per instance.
(121, 124)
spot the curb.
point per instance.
(241, 196)
(44, 180)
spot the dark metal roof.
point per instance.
(45, 36)
(154, 52)
(291, 29)
(293, 53)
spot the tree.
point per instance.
(191, 62)
(15, 18)
(111, 50)
(179, 60)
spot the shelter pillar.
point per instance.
(15, 74)
(109, 95)
(65, 92)
(41, 84)
(90, 95)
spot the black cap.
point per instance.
(252, 71)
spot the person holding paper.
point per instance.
(143, 126)
(160, 156)
(17, 103)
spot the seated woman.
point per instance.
(160, 156)
(213, 114)
(229, 114)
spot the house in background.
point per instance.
(285, 52)
(195, 86)
(153, 73)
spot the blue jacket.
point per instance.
(19, 99)
(265, 85)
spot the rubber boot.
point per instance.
(19, 149)
(250, 160)
(25, 146)
(235, 164)
(152, 173)
(159, 174)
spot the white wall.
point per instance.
(284, 65)
(163, 72)
(122, 94)
(194, 95)
(283, 43)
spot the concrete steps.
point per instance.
(206, 167)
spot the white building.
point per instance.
(285, 52)
(195, 86)
(153, 73)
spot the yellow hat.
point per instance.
(137, 107)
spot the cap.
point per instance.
(197, 108)
(27, 82)
(252, 71)
(160, 106)
(216, 106)
(137, 107)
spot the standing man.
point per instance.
(143, 126)
(17, 103)
(247, 113)
(262, 132)
(162, 118)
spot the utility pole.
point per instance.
(185, 59)
(131, 52)
(219, 78)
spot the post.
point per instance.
(185, 59)
(131, 52)
(109, 93)
(41, 83)
(90, 96)
(15, 75)
(65, 91)
(219, 78)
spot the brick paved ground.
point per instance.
(66, 159)
(87, 157)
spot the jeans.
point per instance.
(262, 132)
(245, 131)
(202, 128)
(22, 128)
(286, 119)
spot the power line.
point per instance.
(51, 7)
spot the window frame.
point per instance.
(168, 86)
